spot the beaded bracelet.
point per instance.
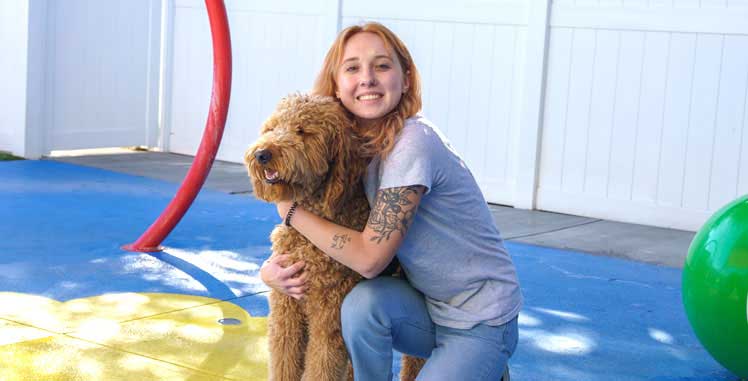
(290, 213)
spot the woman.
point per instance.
(460, 302)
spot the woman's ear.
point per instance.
(406, 81)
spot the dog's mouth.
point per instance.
(271, 176)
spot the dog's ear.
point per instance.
(345, 170)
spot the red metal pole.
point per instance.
(206, 153)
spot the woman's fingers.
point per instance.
(282, 260)
(297, 281)
(296, 285)
(289, 276)
(296, 292)
(290, 271)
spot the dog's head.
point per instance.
(304, 151)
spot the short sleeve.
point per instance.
(412, 160)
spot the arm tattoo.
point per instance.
(339, 240)
(392, 212)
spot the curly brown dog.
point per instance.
(307, 152)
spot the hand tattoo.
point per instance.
(392, 212)
(339, 240)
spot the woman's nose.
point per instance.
(368, 79)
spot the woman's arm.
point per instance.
(368, 252)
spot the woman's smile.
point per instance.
(369, 97)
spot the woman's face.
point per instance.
(370, 80)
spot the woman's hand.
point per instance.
(283, 276)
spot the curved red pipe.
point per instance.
(206, 153)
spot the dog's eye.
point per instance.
(299, 130)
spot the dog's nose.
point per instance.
(263, 156)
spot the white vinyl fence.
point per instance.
(79, 74)
(277, 49)
(645, 110)
(470, 60)
(102, 73)
(628, 110)
(617, 109)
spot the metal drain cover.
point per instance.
(229, 321)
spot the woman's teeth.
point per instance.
(369, 97)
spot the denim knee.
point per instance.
(361, 307)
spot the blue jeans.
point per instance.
(386, 313)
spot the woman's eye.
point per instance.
(351, 69)
(383, 66)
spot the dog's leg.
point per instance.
(287, 338)
(409, 367)
(327, 358)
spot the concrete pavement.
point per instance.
(666, 247)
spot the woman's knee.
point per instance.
(361, 300)
(367, 303)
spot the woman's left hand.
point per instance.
(283, 207)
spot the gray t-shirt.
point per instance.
(453, 252)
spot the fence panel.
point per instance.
(277, 49)
(659, 141)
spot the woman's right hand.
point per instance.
(283, 276)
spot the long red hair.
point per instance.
(381, 139)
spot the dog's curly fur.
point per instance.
(307, 152)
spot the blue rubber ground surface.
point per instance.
(585, 318)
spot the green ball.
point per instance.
(715, 286)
